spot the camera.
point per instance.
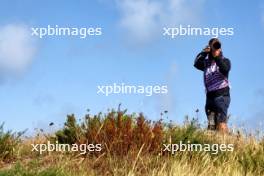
(216, 45)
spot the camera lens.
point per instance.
(217, 45)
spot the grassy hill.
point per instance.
(129, 144)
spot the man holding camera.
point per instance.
(216, 69)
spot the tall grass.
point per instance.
(119, 133)
(132, 145)
(8, 144)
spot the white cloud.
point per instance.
(142, 19)
(17, 49)
(139, 17)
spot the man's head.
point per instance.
(215, 46)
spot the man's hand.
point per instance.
(207, 49)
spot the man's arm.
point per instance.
(199, 61)
(223, 64)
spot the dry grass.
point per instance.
(132, 146)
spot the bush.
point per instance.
(8, 144)
(70, 134)
(117, 131)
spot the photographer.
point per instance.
(216, 69)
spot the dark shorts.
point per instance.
(216, 109)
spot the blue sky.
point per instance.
(42, 80)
